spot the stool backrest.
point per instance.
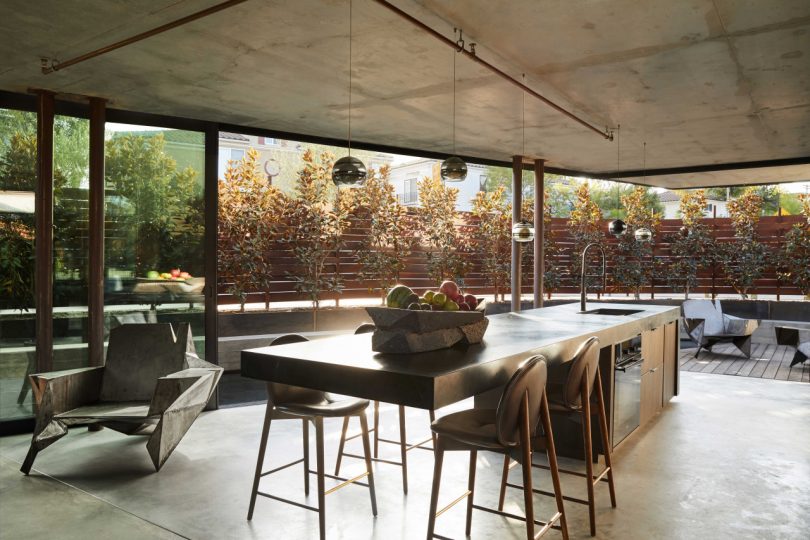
(279, 393)
(365, 328)
(530, 378)
(585, 358)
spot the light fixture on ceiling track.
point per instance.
(348, 170)
(454, 169)
(617, 226)
(643, 234)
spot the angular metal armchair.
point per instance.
(798, 339)
(706, 324)
(153, 383)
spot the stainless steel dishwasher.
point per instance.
(627, 388)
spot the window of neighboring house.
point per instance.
(237, 154)
(709, 208)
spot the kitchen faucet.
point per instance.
(583, 287)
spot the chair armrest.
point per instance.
(739, 327)
(187, 388)
(60, 391)
(695, 328)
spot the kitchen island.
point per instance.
(432, 380)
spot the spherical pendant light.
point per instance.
(454, 169)
(643, 234)
(348, 171)
(617, 227)
(523, 231)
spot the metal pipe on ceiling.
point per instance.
(606, 133)
(51, 66)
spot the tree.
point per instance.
(390, 238)
(552, 276)
(585, 225)
(744, 257)
(437, 224)
(250, 217)
(315, 224)
(16, 265)
(609, 197)
(693, 249)
(559, 191)
(490, 240)
(770, 195)
(796, 251)
(635, 266)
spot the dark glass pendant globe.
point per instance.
(617, 227)
(454, 169)
(643, 234)
(348, 171)
(523, 231)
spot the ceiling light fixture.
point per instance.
(454, 169)
(348, 170)
(617, 226)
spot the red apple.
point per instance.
(464, 306)
(449, 288)
(184, 275)
(471, 301)
(175, 272)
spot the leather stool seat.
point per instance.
(476, 427)
(325, 407)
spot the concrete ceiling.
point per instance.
(703, 82)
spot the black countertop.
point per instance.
(431, 380)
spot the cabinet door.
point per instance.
(671, 354)
(652, 348)
(651, 393)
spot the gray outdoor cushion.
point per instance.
(705, 309)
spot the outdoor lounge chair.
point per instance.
(793, 337)
(706, 325)
(153, 383)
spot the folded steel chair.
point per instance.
(706, 325)
(571, 386)
(404, 445)
(152, 383)
(786, 335)
(509, 429)
(285, 402)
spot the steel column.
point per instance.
(539, 231)
(95, 315)
(517, 202)
(44, 232)
(211, 202)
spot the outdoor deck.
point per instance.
(767, 361)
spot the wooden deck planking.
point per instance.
(768, 361)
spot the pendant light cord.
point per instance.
(523, 114)
(455, 52)
(644, 164)
(618, 154)
(350, 78)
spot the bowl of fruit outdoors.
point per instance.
(438, 320)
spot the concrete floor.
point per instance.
(728, 458)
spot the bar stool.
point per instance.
(287, 402)
(404, 445)
(508, 429)
(570, 390)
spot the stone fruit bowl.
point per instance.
(403, 331)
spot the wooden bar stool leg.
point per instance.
(432, 419)
(341, 445)
(305, 423)
(367, 454)
(260, 461)
(403, 449)
(526, 455)
(471, 489)
(552, 465)
(438, 455)
(321, 482)
(603, 428)
(504, 478)
(376, 429)
(586, 436)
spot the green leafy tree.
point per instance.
(559, 189)
(16, 265)
(437, 224)
(490, 239)
(552, 275)
(250, 218)
(693, 249)
(770, 195)
(635, 266)
(609, 196)
(316, 221)
(796, 251)
(585, 226)
(744, 258)
(390, 239)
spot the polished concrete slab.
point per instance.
(728, 458)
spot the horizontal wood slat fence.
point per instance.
(771, 233)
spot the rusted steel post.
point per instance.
(539, 231)
(44, 232)
(517, 201)
(714, 261)
(95, 304)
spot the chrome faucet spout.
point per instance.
(583, 287)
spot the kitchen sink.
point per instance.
(612, 311)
